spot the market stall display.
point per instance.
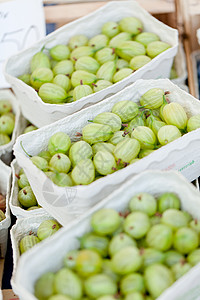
(92, 170)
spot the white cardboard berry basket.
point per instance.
(48, 257)
(40, 113)
(23, 227)
(16, 208)
(65, 204)
(6, 150)
(5, 186)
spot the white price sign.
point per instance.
(22, 23)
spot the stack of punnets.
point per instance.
(100, 124)
(5, 186)
(16, 126)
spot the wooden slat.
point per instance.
(67, 12)
(58, 2)
(194, 7)
(189, 11)
(169, 19)
(186, 31)
(1, 270)
(153, 6)
(187, 43)
(190, 71)
(194, 14)
(179, 19)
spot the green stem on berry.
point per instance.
(24, 149)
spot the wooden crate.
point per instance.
(188, 21)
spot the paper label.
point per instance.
(22, 23)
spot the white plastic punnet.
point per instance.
(22, 228)
(16, 208)
(65, 204)
(48, 257)
(40, 113)
(5, 186)
(6, 150)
